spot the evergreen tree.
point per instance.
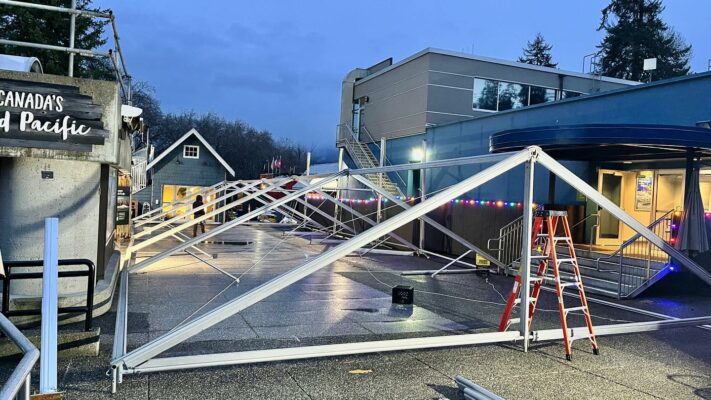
(635, 31)
(538, 52)
(50, 27)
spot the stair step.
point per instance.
(573, 309)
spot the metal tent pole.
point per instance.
(526, 251)
(170, 339)
(190, 223)
(48, 349)
(235, 222)
(430, 221)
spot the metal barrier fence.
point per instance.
(90, 274)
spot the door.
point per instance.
(610, 185)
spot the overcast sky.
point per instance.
(278, 65)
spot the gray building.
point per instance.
(435, 87)
(184, 168)
(638, 144)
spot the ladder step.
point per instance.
(581, 308)
(568, 284)
(558, 238)
(566, 260)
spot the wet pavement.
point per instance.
(350, 301)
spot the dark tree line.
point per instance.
(244, 147)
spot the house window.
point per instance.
(191, 151)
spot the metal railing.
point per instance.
(354, 145)
(89, 273)
(637, 261)
(18, 385)
(116, 55)
(138, 176)
(595, 226)
(508, 248)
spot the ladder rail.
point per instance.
(543, 245)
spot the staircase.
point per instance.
(624, 273)
(364, 158)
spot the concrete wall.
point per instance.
(26, 200)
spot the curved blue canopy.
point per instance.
(608, 142)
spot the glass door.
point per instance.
(610, 185)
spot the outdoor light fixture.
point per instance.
(417, 155)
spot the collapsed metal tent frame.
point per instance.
(143, 359)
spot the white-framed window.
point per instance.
(190, 151)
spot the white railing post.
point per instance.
(48, 349)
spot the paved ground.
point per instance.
(350, 301)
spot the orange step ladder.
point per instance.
(543, 245)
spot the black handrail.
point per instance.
(90, 273)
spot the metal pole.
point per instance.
(72, 35)
(431, 222)
(423, 193)
(379, 214)
(526, 251)
(308, 172)
(48, 353)
(338, 191)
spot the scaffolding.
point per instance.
(146, 357)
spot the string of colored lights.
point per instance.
(460, 201)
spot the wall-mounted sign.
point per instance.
(50, 116)
(123, 204)
(643, 191)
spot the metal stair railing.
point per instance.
(509, 242)
(641, 256)
(138, 176)
(364, 158)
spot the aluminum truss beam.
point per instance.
(149, 216)
(332, 350)
(235, 222)
(365, 218)
(294, 213)
(170, 339)
(569, 177)
(190, 223)
(429, 220)
(194, 210)
(141, 359)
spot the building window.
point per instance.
(486, 94)
(569, 93)
(191, 151)
(493, 95)
(512, 95)
(541, 95)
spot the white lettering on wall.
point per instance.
(65, 126)
(35, 102)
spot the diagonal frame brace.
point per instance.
(170, 339)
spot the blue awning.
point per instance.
(608, 142)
